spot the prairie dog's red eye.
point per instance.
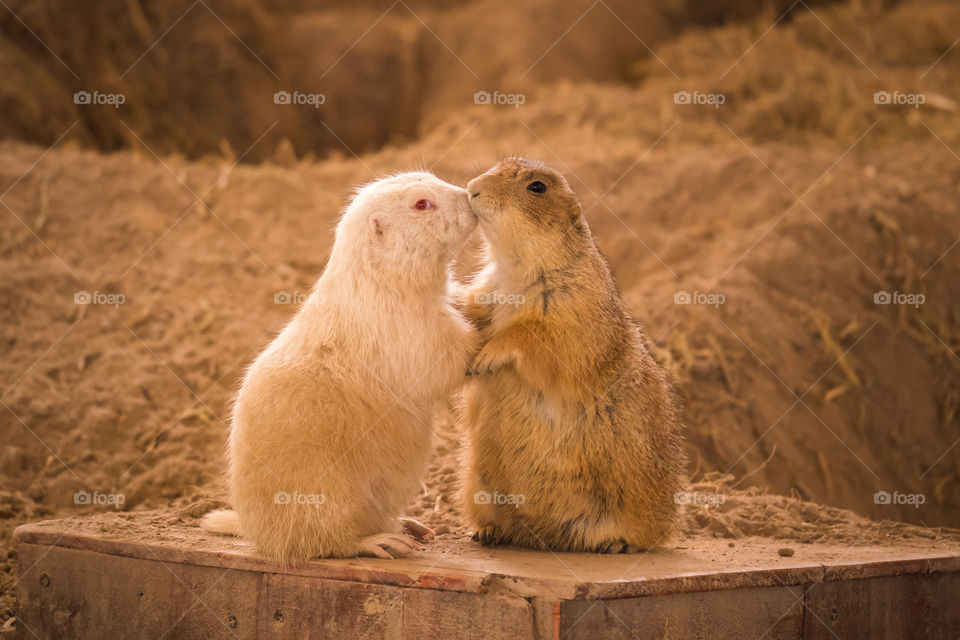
(423, 205)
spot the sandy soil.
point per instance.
(798, 384)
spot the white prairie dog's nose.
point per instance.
(473, 188)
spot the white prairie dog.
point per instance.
(331, 429)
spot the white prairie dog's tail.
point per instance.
(221, 521)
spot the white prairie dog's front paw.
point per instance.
(415, 529)
(382, 544)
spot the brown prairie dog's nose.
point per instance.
(475, 186)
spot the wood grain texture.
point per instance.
(84, 585)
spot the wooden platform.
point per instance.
(90, 578)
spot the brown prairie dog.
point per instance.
(331, 429)
(574, 441)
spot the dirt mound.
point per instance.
(786, 85)
(200, 77)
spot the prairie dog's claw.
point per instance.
(490, 359)
(487, 536)
(415, 529)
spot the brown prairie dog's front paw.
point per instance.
(493, 356)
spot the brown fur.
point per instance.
(566, 406)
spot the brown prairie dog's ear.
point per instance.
(376, 227)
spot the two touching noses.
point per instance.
(473, 187)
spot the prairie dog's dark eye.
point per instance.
(537, 187)
(423, 205)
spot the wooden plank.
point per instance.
(705, 566)
(69, 593)
(225, 552)
(152, 578)
(897, 565)
(546, 618)
(66, 593)
(466, 616)
(296, 607)
(766, 612)
(906, 606)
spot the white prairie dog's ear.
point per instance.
(377, 227)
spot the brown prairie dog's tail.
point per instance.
(221, 521)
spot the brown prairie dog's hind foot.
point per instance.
(415, 529)
(382, 544)
(489, 536)
(617, 546)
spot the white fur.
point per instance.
(340, 404)
(223, 522)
